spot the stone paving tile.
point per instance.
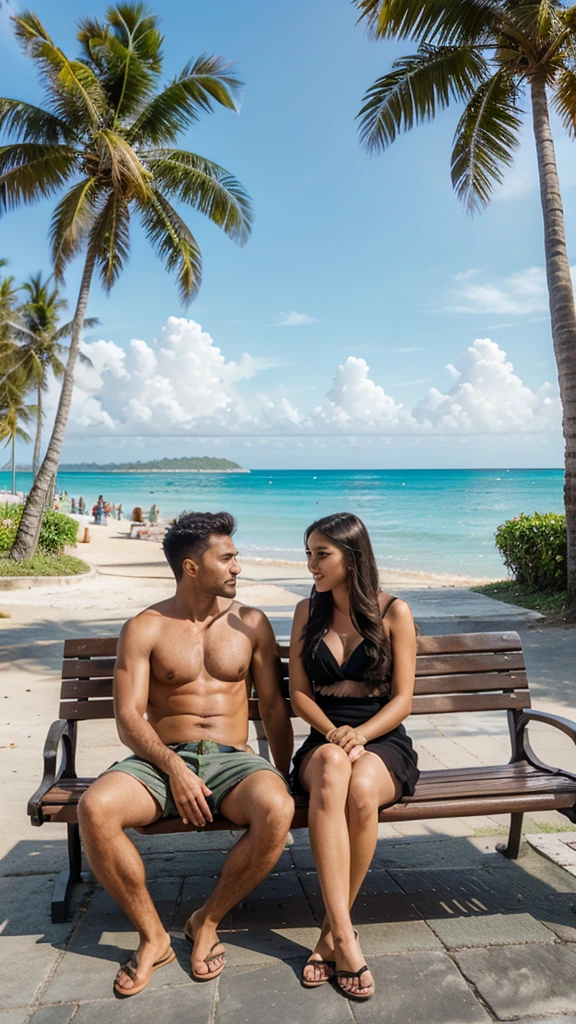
(437, 852)
(87, 977)
(419, 988)
(28, 937)
(17, 1016)
(59, 1014)
(205, 862)
(258, 946)
(492, 930)
(273, 992)
(379, 899)
(517, 981)
(279, 902)
(570, 1019)
(175, 1004)
(396, 937)
(177, 842)
(195, 892)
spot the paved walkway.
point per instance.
(452, 931)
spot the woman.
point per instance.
(352, 662)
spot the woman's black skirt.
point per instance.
(394, 748)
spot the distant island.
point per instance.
(196, 464)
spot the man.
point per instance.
(181, 705)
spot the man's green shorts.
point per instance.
(219, 766)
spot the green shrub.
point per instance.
(534, 549)
(44, 565)
(56, 532)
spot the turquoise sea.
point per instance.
(439, 521)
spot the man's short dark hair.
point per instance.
(188, 536)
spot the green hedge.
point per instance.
(56, 532)
(534, 549)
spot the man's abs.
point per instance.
(200, 710)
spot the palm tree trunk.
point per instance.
(13, 463)
(562, 311)
(29, 529)
(36, 456)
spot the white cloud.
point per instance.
(183, 384)
(356, 401)
(294, 319)
(488, 396)
(520, 293)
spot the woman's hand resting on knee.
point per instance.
(349, 739)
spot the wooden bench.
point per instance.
(464, 672)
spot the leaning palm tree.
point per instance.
(14, 410)
(491, 55)
(39, 336)
(107, 130)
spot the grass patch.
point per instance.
(5, 615)
(498, 830)
(519, 594)
(44, 565)
(542, 826)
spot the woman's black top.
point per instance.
(394, 747)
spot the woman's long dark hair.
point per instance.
(347, 532)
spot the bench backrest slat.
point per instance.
(458, 672)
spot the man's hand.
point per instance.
(189, 794)
(346, 737)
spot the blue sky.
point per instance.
(374, 254)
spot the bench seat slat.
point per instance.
(515, 680)
(81, 668)
(105, 647)
(519, 787)
(454, 702)
(91, 647)
(452, 664)
(100, 704)
(102, 686)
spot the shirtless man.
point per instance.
(181, 705)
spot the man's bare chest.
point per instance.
(184, 654)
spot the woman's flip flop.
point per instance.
(331, 964)
(354, 975)
(212, 975)
(131, 967)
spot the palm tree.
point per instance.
(40, 342)
(107, 129)
(14, 411)
(489, 55)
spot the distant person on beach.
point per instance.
(137, 515)
(73, 508)
(119, 511)
(81, 506)
(181, 705)
(352, 665)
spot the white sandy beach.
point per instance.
(113, 552)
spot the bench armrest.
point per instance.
(521, 743)
(532, 715)
(60, 732)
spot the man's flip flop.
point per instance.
(212, 975)
(331, 964)
(131, 967)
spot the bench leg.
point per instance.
(62, 892)
(514, 837)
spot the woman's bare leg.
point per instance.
(372, 785)
(326, 774)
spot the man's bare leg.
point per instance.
(262, 802)
(115, 802)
